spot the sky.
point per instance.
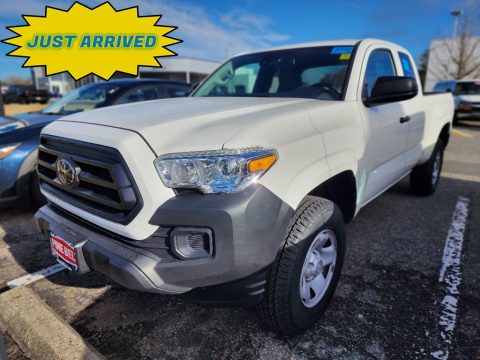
(218, 29)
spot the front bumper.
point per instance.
(15, 176)
(247, 230)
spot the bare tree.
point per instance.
(459, 58)
(17, 80)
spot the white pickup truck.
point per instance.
(239, 194)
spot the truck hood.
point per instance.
(468, 98)
(188, 124)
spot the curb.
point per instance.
(38, 330)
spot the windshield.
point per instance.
(313, 73)
(468, 88)
(84, 98)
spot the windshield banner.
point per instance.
(83, 40)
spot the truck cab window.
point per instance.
(380, 63)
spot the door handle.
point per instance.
(404, 119)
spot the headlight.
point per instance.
(6, 150)
(221, 171)
(465, 106)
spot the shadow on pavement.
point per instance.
(28, 247)
(31, 250)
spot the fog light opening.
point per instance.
(192, 243)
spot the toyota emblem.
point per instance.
(67, 172)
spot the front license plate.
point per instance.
(64, 251)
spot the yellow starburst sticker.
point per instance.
(83, 40)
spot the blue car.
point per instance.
(20, 134)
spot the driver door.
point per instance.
(383, 162)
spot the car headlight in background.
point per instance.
(219, 171)
(6, 150)
(464, 106)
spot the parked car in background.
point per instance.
(467, 97)
(24, 95)
(239, 194)
(19, 134)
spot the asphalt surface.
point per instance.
(387, 304)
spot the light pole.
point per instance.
(455, 14)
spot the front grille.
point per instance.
(105, 186)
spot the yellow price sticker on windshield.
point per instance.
(345, 56)
(100, 40)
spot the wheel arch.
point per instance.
(342, 190)
(445, 134)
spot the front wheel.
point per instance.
(37, 200)
(305, 274)
(424, 178)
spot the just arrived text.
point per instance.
(93, 41)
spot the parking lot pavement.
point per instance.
(390, 303)
(22, 248)
(11, 109)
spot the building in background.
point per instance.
(54, 84)
(174, 68)
(451, 58)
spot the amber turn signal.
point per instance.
(261, 164)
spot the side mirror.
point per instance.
(389, 89)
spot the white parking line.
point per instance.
(450, 277)
(39, 275)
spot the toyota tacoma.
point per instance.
(239, 194)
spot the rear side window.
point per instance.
(380, 63)
(406, 65)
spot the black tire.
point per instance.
(282, 308)
(37, 200)
(455, 119)
(423, 180)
